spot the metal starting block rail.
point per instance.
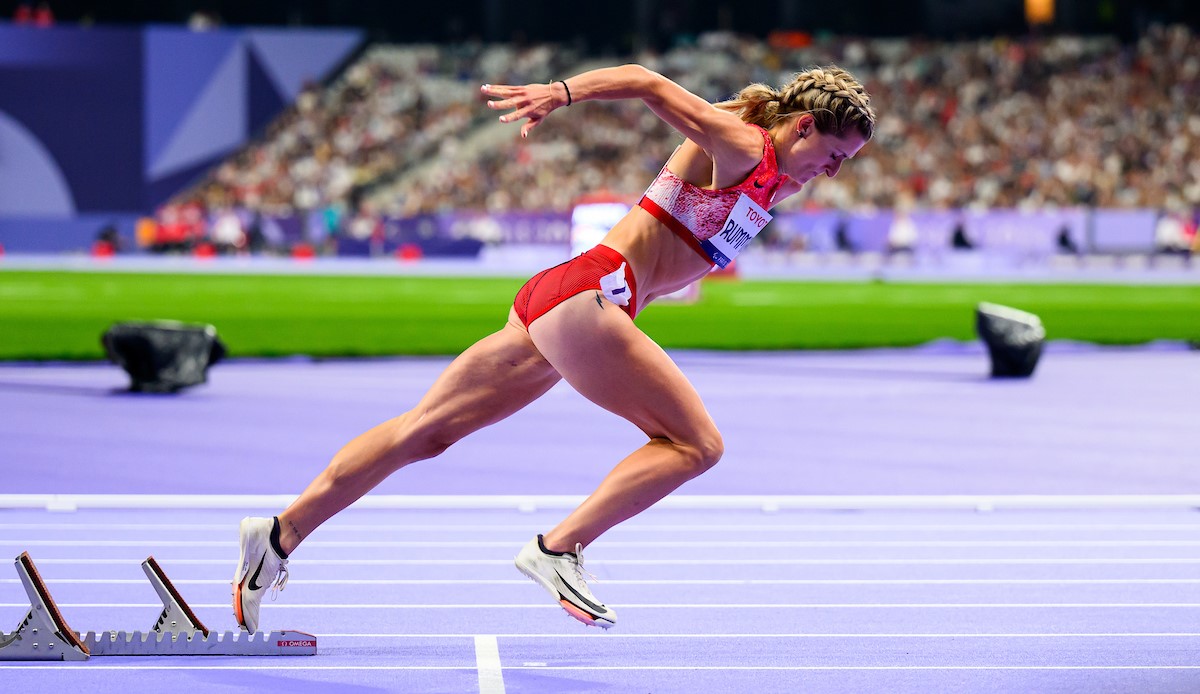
(44, 635)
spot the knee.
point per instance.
(423, 435)
(414, 435)
(704, 451)
(711, 449)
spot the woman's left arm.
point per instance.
(719, 133)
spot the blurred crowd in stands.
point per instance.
(29, 14)
(1024, 123)
(391, 111)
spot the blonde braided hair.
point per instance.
(830, 94)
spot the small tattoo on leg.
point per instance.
(295, 530)
(599, 301)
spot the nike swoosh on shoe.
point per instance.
(598, 609)
(254, 578)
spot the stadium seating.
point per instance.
(1051, 123)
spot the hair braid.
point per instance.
(830, 94)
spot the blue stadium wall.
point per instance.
(101, 125)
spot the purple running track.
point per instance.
(925, 421)
(709, 600)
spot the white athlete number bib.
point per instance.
(741, 226)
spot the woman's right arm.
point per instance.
(721, 134)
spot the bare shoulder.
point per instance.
(728, 140)
(728, 160)
(703, 169)
(736, 144)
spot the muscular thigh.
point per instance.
(491, 380)
(610, 361)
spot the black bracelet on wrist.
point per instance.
(564, 84)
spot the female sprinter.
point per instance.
(575, 321)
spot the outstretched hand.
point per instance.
(532, 101)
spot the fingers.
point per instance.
(500, 94)
(500, 90)
(533, 123)
(527, 111)
(507, 103)
(504, 95)
(525, 102)
(501, 104)
(522, 112)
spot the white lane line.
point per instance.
(487, 659)
(659, 606)
(659, 581)
(625, 635)
(718, 544)
(656, 561)
(996, 526)
(91, 667)
(703, 502)
(854, 667)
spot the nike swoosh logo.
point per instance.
(598, 609)
(254, 578)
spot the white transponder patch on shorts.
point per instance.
(615, 287)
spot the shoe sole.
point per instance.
(240, 582)
(568, 606)
(237, 606)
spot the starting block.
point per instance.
(44, 635)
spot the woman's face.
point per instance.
(804, 153)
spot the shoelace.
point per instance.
(280, 581)
(580, 572)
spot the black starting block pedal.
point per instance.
(45, 635)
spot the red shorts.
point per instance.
(599, 269)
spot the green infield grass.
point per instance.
(61, 315)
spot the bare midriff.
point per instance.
(661, 262)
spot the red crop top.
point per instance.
(717, 224)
